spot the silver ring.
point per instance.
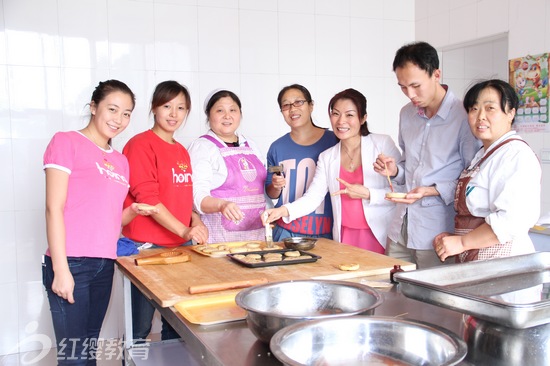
(346, 191)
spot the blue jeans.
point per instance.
(143, 312)
(142, 319)
(77, 325)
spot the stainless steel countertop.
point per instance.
(233, 344)
(542, 230)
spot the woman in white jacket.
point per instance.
(361, 212)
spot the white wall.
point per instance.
(54, 52)
(466, 63)
(445, 23)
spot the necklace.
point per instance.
(351, 164)
(91, 137)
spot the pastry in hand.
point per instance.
(396, 195)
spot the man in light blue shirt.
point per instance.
(437, 145)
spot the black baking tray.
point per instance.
(313, 258)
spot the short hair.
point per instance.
(508, 96)
(168, 90)
(421, 54)
(360, 103)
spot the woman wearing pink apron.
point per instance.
(228, 175)
(498, 196)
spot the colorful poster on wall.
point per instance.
(529, 77)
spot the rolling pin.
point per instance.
(170, 257)
(200, 289)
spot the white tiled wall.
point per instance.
(466, 64)
(448, 23)
(54, 52)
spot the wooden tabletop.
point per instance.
(168, 284)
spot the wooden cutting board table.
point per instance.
(169, 284)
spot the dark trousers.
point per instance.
(77, 325)
(142, 318)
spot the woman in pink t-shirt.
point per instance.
(86, 183)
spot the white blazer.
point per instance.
(377, 210)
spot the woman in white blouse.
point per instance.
(361, 212)
(498, 196)
(501, 188)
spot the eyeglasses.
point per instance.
(297, 103)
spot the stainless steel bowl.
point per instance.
(367, 340)
(494, 344)
(299, 243)
(273, 306)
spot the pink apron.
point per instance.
(245, 186)
(466, 222)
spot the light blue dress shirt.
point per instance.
(435, 151)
